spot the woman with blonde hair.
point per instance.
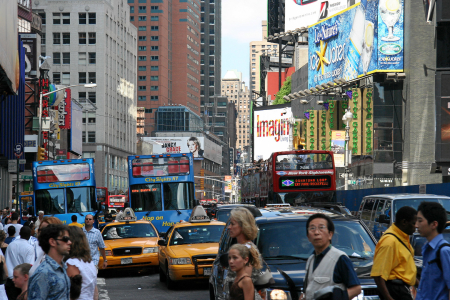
(79, 262)
(20, 279)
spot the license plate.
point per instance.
(206, 271)
(126, 261)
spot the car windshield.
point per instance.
(127, 231)
(349, 237)
(196, 235)
(416, 202)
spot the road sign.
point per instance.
(22, 161)
(26, 177)
(342, 175)
(18, 149)
(12, 166)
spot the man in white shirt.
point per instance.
(38, 222)
(18, 252)
(15, 223)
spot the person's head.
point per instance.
(55, 236)
(2, 236)
(41, 214)
(49, 221)
(242, 222)
(320, 230)
(25, 232)
(80, 246)
(11, 231)
(21, 275)
(431, 218)
(5, 212)
(14, 216)
(89, 221)
(240, 256)
(31, 225)
(74, 218)
(193, 144)
(405, 219)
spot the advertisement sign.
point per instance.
(30, 143)
(30, 44)
(271, 131)
(301, 13)
(363, 39)
(338, 147)
(9, 56)
(76, 141)
(228, 185)
(64, 111)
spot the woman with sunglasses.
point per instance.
(79, 262)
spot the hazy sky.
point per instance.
(241, 24)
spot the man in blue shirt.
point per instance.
(434, 281)
(50, 280)
(95, 240)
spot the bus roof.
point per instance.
(63, 162)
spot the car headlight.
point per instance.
(279, 295)
(180, 261)
(150, 250)
(108, 252)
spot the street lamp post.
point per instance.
(88, 85)
(347, 118)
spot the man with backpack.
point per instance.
(435, 277)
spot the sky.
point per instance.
(241, 24)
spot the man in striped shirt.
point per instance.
(95, 240)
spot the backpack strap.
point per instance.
(437, 260)
(400, 241)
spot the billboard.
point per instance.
(363, 39)
(76, 140)
(271, 131)
(64, 111)
(303, 13)
(9, 56)
(195, 145)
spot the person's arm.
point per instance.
(353, 291)
(5, 268)
(344, 273)
(38, 287)
(246, 285)
(103, 253)
(72, 270)
(101, 246)
(382, 288)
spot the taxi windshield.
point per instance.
(127, 231)
(196, 235)
(349, 237)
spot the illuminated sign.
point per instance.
(305, 182)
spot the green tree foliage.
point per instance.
(285, 90)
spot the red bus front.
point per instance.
(303, 176)
(116, 201)
(102, 195)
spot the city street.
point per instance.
(125, 285)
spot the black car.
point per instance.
(285, 247)
(223, 211)
(333, 206)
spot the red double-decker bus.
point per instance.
(293, 177)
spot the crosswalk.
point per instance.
(102, 292)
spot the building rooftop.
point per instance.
(233, 75)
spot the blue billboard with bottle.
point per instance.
(363, 39)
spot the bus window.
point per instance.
(81, 199)
(146, 197)
(50, 201)
(177, 195)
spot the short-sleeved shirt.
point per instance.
(392, 260)
(76, 224)
(17, 226)
(343, 271)
(434, 283)
(49, 282)
(95, 240)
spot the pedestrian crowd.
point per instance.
(45, 259)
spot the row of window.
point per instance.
(144, 98)
(143, 9)
(144, 48)
(152, 28)
(64, 37)
(144, 18)
(152, 88)
(152, 78)
(90, 137)
(64, 18)
(83, 77)
(152, 58)
(144, 68)
(64, 58)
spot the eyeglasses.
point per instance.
(89, 219)
(321, 228)
(65, 239)
(274, 248)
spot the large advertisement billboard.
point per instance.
(303, 13)
(271, 131)
(363, 39)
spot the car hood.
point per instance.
(190, 250)
(132, 242)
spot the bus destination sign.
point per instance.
(305, 182)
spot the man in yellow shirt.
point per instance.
(393, 267)
(74, 222)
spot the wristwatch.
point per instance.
(105, 260)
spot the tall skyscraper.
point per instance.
(168, 55)
(94, 42)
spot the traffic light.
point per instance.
(41, 154)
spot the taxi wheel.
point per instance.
(162, 276)
(169, 282)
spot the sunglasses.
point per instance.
(65, 239)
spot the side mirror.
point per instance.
(162, 243)
(384, 219)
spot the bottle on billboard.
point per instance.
(390, 11)
(356, 40)
(367, 49)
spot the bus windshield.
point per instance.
(147, 197)
(160, 166)
(80, 199)
(58, 173)
(310, 161)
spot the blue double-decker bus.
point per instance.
(161, 188)
(63, 188)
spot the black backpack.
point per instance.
(437, 260)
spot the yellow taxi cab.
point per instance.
(130, 243)
(189, 248)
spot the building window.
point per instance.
(66, 58)
(154, 58)
(142, 1)
(56, 18)
(154, 78)
(93, 97)
(81, 95)
(142, 18)
(142, 58)
(83, 133)
(65, 78)
(82, 18)
(131, 18)
(154, 38)
(154, 18)
(142, 68)
(56, 58)
(142, 28)
(82, 77)
(56, 38)
(142, 9)
(155, 48)
(154, 8)
(81, 58)
(92, 58)
(91, 136)
(66, 38)
(43, 39)
(142, 98)
(142, 88)
(154, 28)
(43, 17)
(92, 77)
(130, 1)
(142, 48)
(82, 38)
(142, 38)
(57, 77)
(131, 9)
(92, 18)
(154, 68)
(154, 88)
(142, 78)
(66, 18)
(154, 98)
(92, 38)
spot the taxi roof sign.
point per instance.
(128, 215)
(199, 215)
